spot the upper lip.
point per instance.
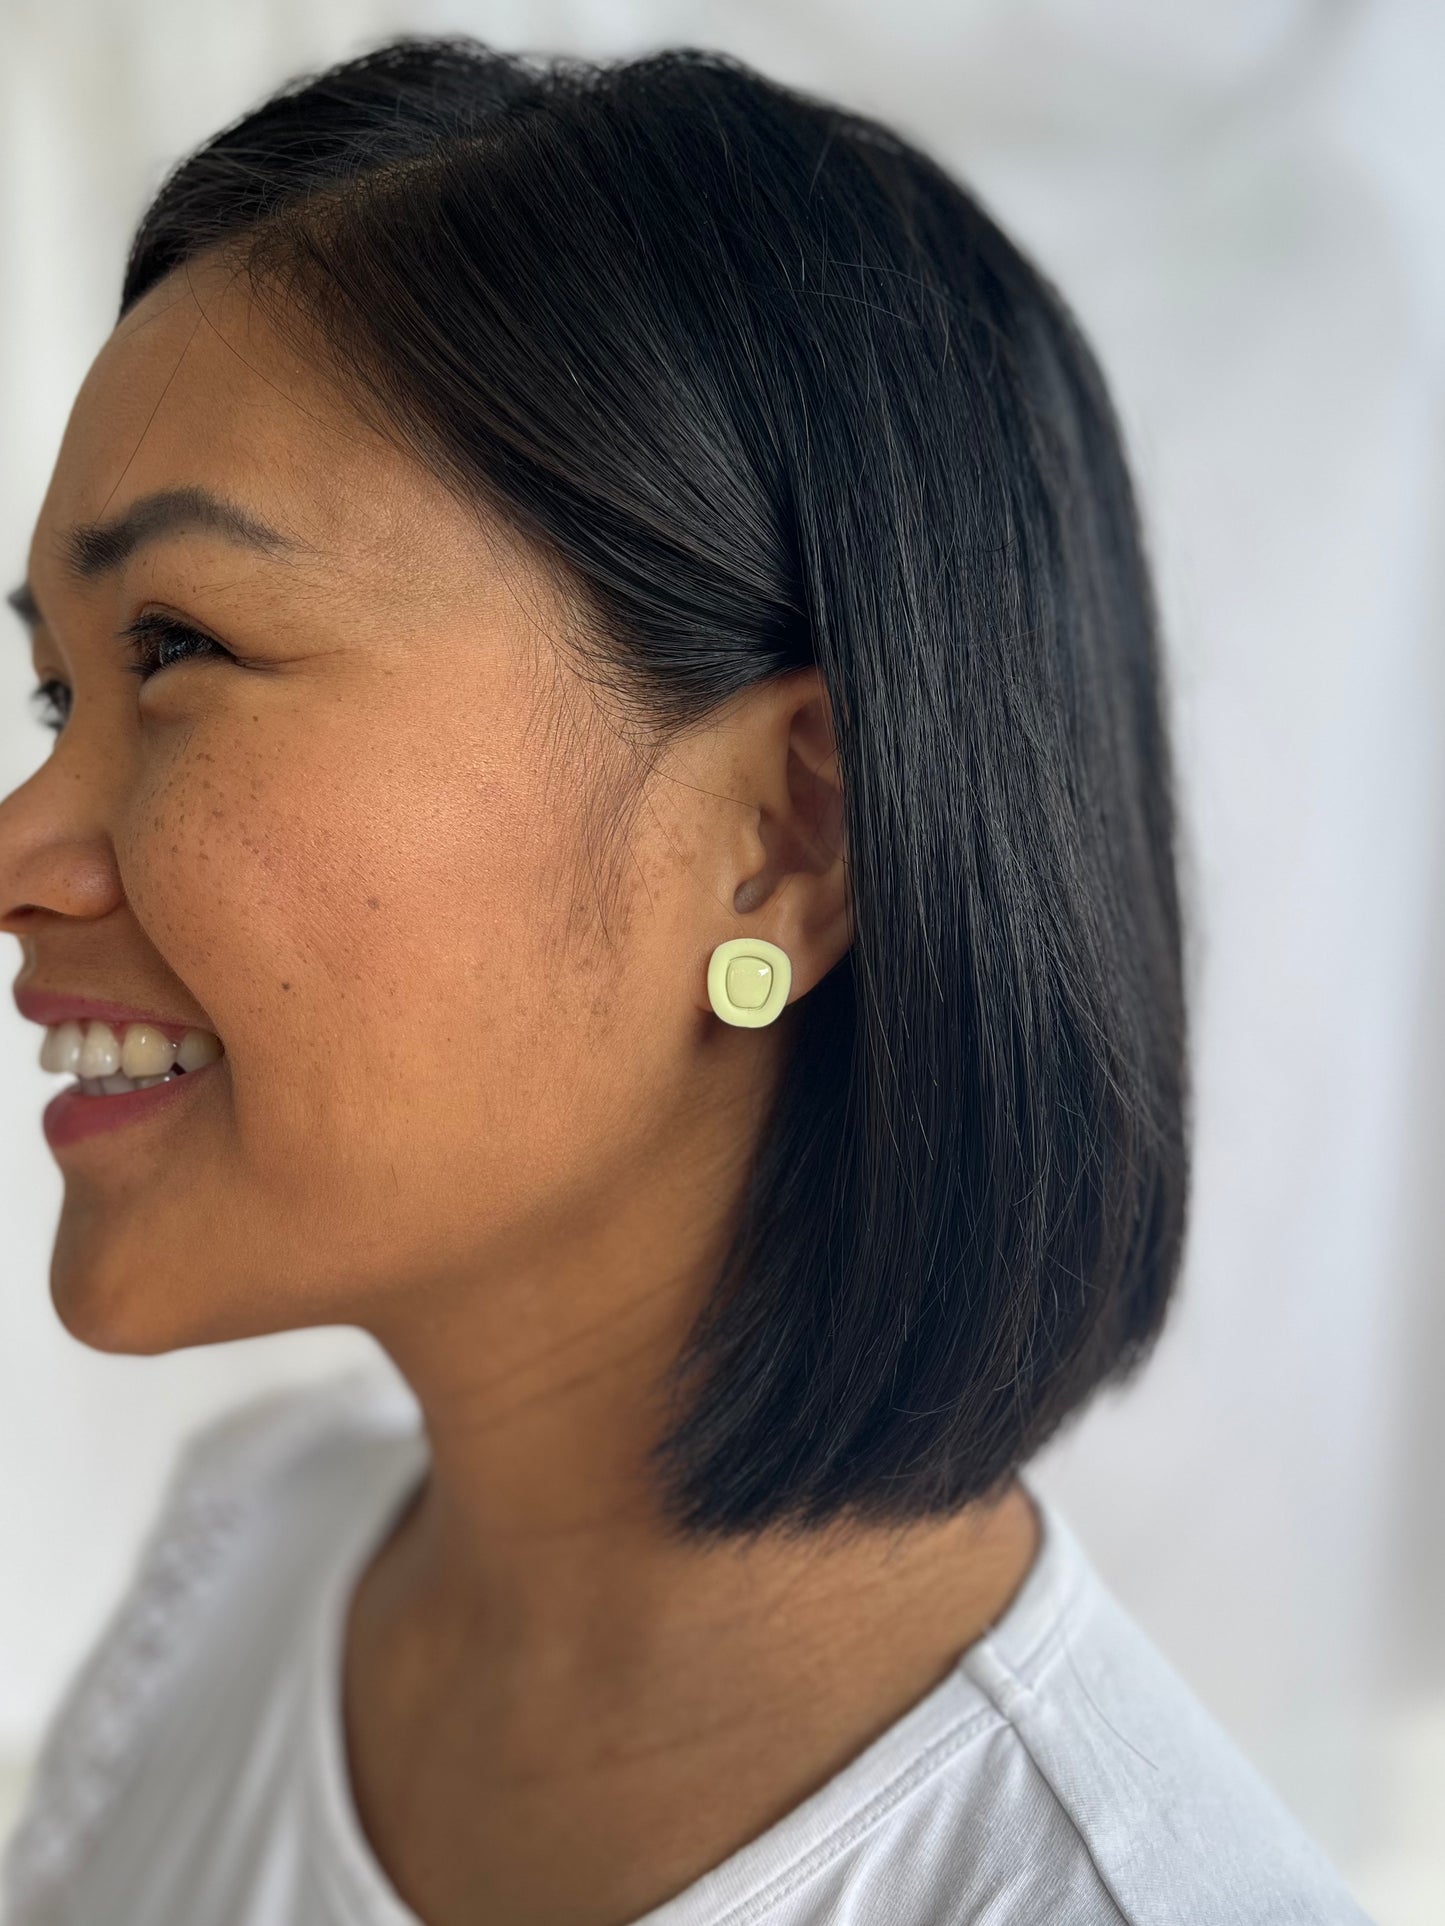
(59, 1006)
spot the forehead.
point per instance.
(197, 387)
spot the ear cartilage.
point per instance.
(748, 981)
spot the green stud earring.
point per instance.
(748, 981)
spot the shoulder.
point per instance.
(251, 1498)
(1143, 1797)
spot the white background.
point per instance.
(1241, 200)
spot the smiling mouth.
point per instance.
(112, 1062)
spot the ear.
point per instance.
(776, 861)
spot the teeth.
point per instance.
(117, 1086)
(146, 1052)
(99, 1052)
(113, 1061)
(61, 1048)
(198, 1048)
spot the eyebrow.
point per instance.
(94, 548)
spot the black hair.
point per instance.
(777, 391)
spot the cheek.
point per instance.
(413, 995)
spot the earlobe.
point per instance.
(748, 980)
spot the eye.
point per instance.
(153, 639)
(157, 641)
(47, 693)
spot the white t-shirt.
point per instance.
(195, 1773)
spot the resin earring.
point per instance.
(748, 981)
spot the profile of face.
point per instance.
(365, 829)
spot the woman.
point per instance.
(637, 868)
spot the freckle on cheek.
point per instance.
(371, 903)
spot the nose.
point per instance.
(56, 858)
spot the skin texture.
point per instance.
(369, 856)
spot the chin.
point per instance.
(99, 1329)
(136, 1302)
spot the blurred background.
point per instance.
(1241, 200)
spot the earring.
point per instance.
(748, 981)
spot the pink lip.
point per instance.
(72, 1116)
(54, 1006)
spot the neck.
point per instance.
(537, 1546)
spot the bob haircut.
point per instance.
(772, 390)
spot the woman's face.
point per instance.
(360, 853)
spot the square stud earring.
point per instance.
(748, 981)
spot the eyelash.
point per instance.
(144, 637)
(146, 634)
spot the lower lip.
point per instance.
(73, 1116)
